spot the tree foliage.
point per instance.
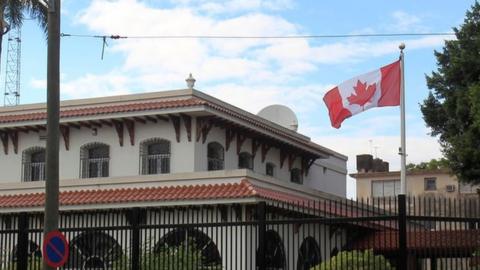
(14, 12)
(433, 164)
(452, 109)
(355, 260)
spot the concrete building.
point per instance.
(182, 131)
(374, 180)
(164, 149)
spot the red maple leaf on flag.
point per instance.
(362, 93)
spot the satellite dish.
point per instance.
(281, 115)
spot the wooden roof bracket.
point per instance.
(255, 145)
(265, 149)
(283, 156)
(187, 121)
(240, 140)
(131, 130)
(176, 125)
(229, 135)
(14, 137)
(119, 128)
(291, 159)
(65, 131)
(4, 138)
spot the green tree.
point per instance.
(12, 15)
(433, 164)
(355, 260)
(452, 109)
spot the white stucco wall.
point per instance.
(329, 175)
(124, 161)
(186, 156)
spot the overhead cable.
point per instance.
(255, 37)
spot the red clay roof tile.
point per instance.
(108, 109)
(243, 189)
(191, 192)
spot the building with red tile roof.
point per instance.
(180, 148)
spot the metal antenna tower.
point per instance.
(12, 70)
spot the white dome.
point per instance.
(281, 115)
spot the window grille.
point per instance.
(296, 176)
(215, 156)
(33, 164)
(94, 160)
(270, 169)
(155, 156)
(245, 161)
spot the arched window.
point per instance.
(245, 161)
(94, 160)
(93, 250)
(296, 176)
(270, 169)
(155, 156)
(308, 254)
(274, 251)
(196, 241)
(216, 156)
(33, 164)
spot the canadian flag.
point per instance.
(378, 88)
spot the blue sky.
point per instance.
(253, 73)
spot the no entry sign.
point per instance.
(55, 249)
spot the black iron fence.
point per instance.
(392, 233)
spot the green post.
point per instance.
(53, 118)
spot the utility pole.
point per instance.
(53, 118)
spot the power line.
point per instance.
(117, 37)
(256, 37)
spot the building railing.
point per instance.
(325, 234)
(94, 167)
(155, 164)
(215, 164)
(33, 171)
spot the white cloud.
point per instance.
(301, 99)
(404, 22)
(161, 62)
(234, 6)
(38, 84)
(90, 85)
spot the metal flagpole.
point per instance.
(403, 149)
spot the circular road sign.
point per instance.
(55, 249)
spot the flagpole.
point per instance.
(403, 149)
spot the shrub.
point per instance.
(185, 257)
(355, 260)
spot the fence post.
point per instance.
(402, 233)
(135, 238)
(262, 229)
(22, 242)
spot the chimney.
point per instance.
(364, 163)
(386, 166)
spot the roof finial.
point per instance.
(190, 81)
